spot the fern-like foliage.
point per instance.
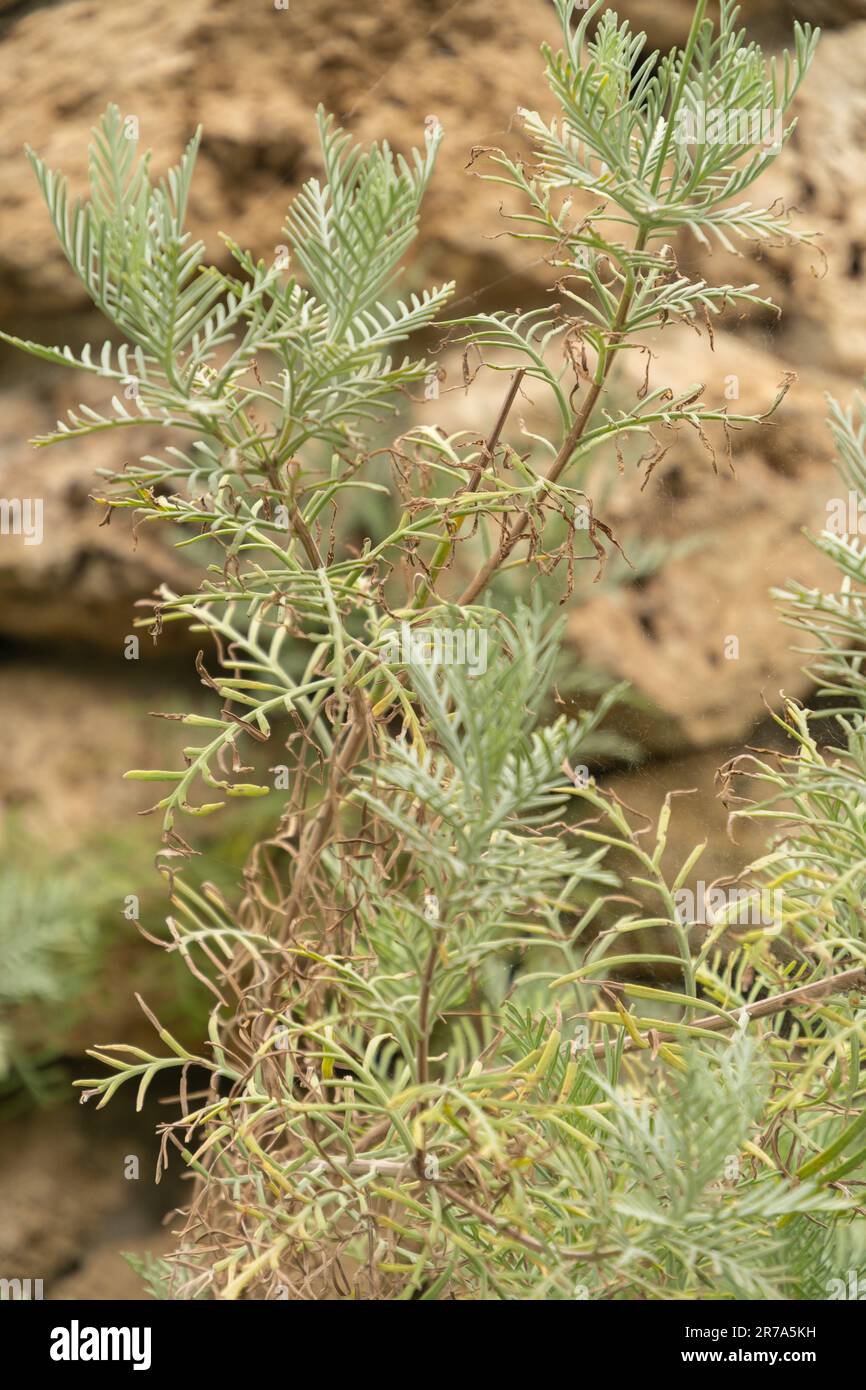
(464, 1044)
(627, 118)
(813, 798)
(46, 934)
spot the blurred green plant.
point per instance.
(811, 797)
(46, 940)
(67, 945)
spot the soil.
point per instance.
(67, 1210)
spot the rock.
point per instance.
(769, 21)
(137, 55)
(63, 1194)
(698, 814)
(823, 172)
(255, 88)
(699, 637)
(382, 71)
(75, 734)
(66, 581)
(171, 68)
(105, 1276)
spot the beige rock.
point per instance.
(61, 1195)
(255, 87)
(825, 173)
(382, 69)
(75, 734)
(700, 637)
(104, 1275)
(828, 13)
(770, 21)
(65, 580)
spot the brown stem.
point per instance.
(423, 1019)
(301, 529)
(569, 444)
(488, 448)
(316, 834)
(493, 440)
(423, 1050)
(305, 537)
(501, 1225)
(762, 1008)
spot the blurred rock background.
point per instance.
(73, 710)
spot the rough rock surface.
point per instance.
(382, 69)
(698, 635)
(769, 21)
(79, 586)
(67, 1209)
(70, 736)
